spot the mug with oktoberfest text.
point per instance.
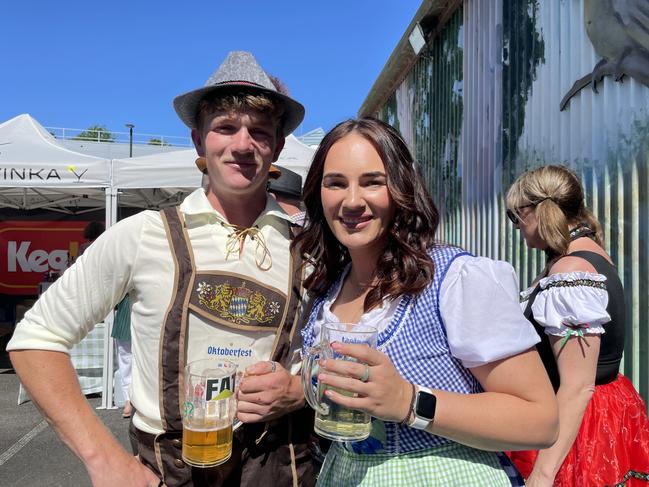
(332, 420)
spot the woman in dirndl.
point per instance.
(447, 386)
(577, 307)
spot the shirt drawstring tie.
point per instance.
(236, 239)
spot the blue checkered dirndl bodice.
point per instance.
(415, 340)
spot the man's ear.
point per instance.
(198, 142)
(278, 148)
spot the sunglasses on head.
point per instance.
(513, 217)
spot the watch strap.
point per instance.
(418, 422)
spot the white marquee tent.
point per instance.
(177, 168)
(36, 172)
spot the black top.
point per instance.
(612, 341)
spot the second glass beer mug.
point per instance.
(209, 410)
(332, 420)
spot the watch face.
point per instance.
(426, 405)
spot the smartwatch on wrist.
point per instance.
(424, 408)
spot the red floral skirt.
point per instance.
(612, 445)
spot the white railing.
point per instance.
(106, 135)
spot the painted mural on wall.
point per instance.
(595, 124)
(523, 52)
(619, 33)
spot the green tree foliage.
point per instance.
(96, 133)
(156, 141)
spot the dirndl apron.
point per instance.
(273, 453)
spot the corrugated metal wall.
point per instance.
(481, 105)
(482, 132)
(523, 50)
(427, 109)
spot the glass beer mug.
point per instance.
(332, 420)
(209, 411)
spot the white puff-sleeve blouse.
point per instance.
(479, 304)
(570, 303)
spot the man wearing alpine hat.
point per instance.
(183, 268)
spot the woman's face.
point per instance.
(355, 198)
(529, 227)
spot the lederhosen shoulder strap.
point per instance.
(172, 338)
(287, 332)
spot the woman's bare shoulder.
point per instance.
(569, 263)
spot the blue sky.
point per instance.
(74, 64)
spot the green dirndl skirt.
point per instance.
(447, 465)
(122, 323)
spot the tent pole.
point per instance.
(109, 356)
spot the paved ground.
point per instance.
(30, 453)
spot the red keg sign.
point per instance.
(29, 249)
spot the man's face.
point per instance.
(239, 148)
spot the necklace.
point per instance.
(579, 231)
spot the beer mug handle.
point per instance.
(307, 378)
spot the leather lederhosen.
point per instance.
(273, 453)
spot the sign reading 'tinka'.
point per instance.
(41, 174)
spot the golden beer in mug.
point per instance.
(332, 420)
(341, 423)
(209, 412)
(206, 448)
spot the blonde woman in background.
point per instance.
(577, 307)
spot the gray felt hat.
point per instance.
(288, 183)
(239, 71)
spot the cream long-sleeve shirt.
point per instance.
(134, 256)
